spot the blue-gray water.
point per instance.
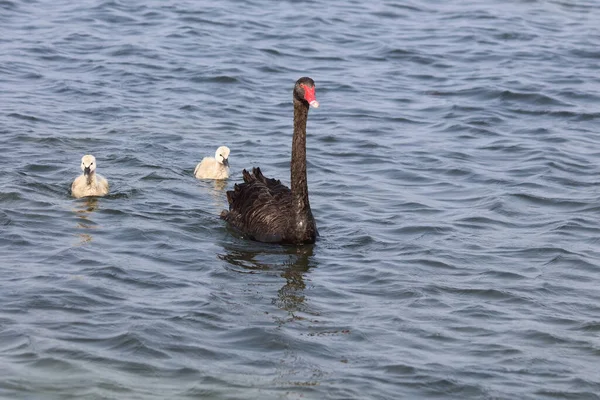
(453, 173)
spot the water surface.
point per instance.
(453, 173)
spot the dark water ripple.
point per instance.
(453, 170)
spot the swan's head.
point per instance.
(222, 155)
(88, 164)
(305, 91)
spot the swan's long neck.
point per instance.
(298, 166)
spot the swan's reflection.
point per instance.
(293, 264)
(297, 262)
(84, 208)
(291, 295)
(219, 185)
(215, 189)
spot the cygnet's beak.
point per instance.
(87, 171)
(226, 162)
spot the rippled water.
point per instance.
(453, 173)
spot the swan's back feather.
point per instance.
(261, 208)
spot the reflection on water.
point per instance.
(292, 262)
(82, 211)
(291, 295)
(84, 238)
(220, 184)
(215, 189)
(88, 205)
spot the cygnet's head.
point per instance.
(222, 155)
(88, 164)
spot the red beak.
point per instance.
(309, 95)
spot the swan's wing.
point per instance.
(274, 185)
(260, 207)
(199, 171)
(103, 185)
(78, 186)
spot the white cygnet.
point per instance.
(214, 168)
(90, 183)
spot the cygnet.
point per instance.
(90, 183)
(214, 168)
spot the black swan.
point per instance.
(265, 210)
